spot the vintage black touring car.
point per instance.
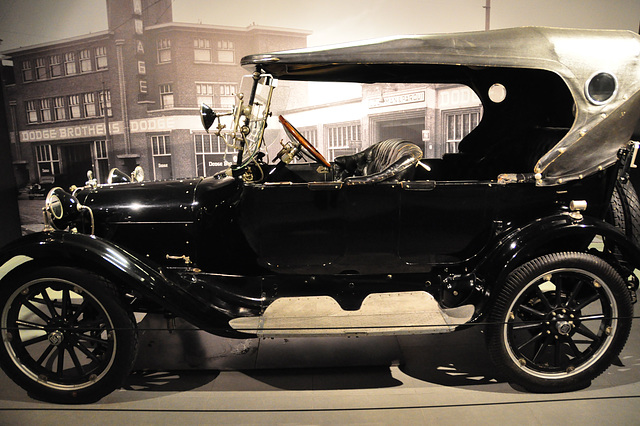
(529, 225)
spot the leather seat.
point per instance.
(392, 160)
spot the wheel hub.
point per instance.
(56, 337)
(564, 327)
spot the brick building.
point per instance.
(128, 95)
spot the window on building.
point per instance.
(201, 50)
(70, 63)
(45, 110)
(59, 109)
(210, 154)
(102, 160)
(226, 52)
(89, 104)
(458, 124)
(105, 100)
(55, 66)
(101, 58)
(48, 160)
(41, 68)
(85, 61)
(227, 95)
(164, 50)
(204, 94)
(343, 139)
(166, 96)
(32, 113)
(160, 145)
(27, 72)
(74, 106)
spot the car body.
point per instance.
(528, 228)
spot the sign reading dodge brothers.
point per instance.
(99, 129)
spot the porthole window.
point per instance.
(497, 93)
(601, 87)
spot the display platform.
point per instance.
(189, 377)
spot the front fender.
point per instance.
(127, 271)
(552, 234)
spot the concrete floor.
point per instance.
(436, 379)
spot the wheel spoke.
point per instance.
(574, 294)
(557, 354)
(574, 348)
(588, 301)
(80, 310)
(36, 311)
(66, 303)
(76, 361)
(584, 331)
(93, 339)
(35, 340)
(532, 311)
(527, 326)
(60, 360)
(44, 355)
(30, 325)
(86, 351)
(533, 339)
(543, 347)
(558, 283)
(543, 298)
(49, 303)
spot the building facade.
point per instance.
(129, 95)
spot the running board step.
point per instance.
(414, 312)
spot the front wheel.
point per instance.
(66, 336)
(559, 321)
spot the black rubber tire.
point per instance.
(624, 211)
(63, 310)
(532, 335)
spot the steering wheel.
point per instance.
(296, 137)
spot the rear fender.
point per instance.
(552, 234)
(127, 271)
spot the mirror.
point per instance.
(207, 116)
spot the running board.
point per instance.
(414, 312)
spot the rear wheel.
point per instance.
(66, 336)
(624, 210)
(559, 322)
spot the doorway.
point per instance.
(76, 161)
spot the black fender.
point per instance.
(560, 232)
(125, 270)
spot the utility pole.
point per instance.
(487, 15)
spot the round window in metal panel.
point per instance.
(497, 93)
(601, 87)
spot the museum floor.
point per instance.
(437, 379)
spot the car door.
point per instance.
(444, 222)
